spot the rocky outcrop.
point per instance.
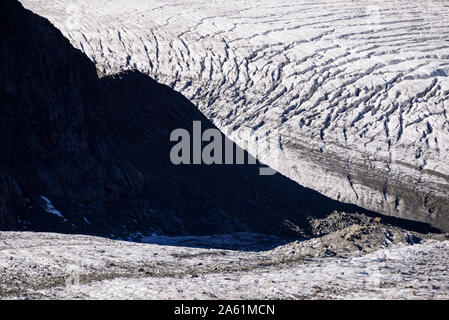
(53, 132)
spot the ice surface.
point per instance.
(44, 265)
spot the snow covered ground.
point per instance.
(49, 266)
(354, 95)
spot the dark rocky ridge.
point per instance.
(98, 148)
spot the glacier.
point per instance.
(37, 265)
(354, 94)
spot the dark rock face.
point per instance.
(98, 149)
(53, 133)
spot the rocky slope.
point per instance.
(54, 138)
(354, 94)
(89, 154)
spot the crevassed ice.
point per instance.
(357, 92)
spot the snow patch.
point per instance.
(50, 208)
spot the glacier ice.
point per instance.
(358, 93)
